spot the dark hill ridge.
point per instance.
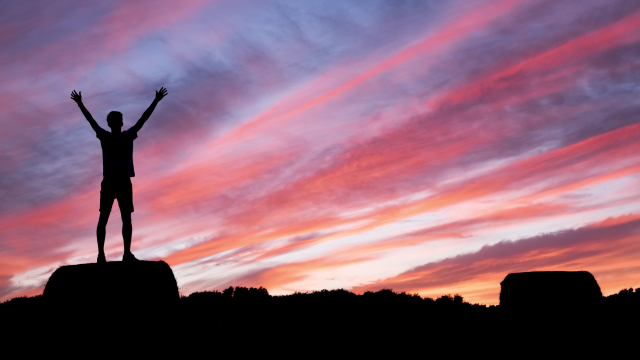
(238, 321)
(114, 283)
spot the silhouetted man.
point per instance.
(117, 165)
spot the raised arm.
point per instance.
(77, 97)
(145, 116)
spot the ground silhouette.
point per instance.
(239, 321)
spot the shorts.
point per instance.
(118, 187)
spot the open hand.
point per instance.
(77, 97)
(161, 93)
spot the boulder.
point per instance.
(549, 289)
(139, 286)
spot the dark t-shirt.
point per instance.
(117, 152)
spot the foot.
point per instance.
(128, 257)
(101, 259)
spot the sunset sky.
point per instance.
(430, 147)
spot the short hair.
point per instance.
(114, 117)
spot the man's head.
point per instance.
(114, 120)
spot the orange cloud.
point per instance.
(558, 167)
(283, 275)
(569, 250)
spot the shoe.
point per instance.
(101, 259)
(127, 257)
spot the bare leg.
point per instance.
(101, 231)
(126, 229)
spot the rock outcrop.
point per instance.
(549, 289)
(113, 285)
